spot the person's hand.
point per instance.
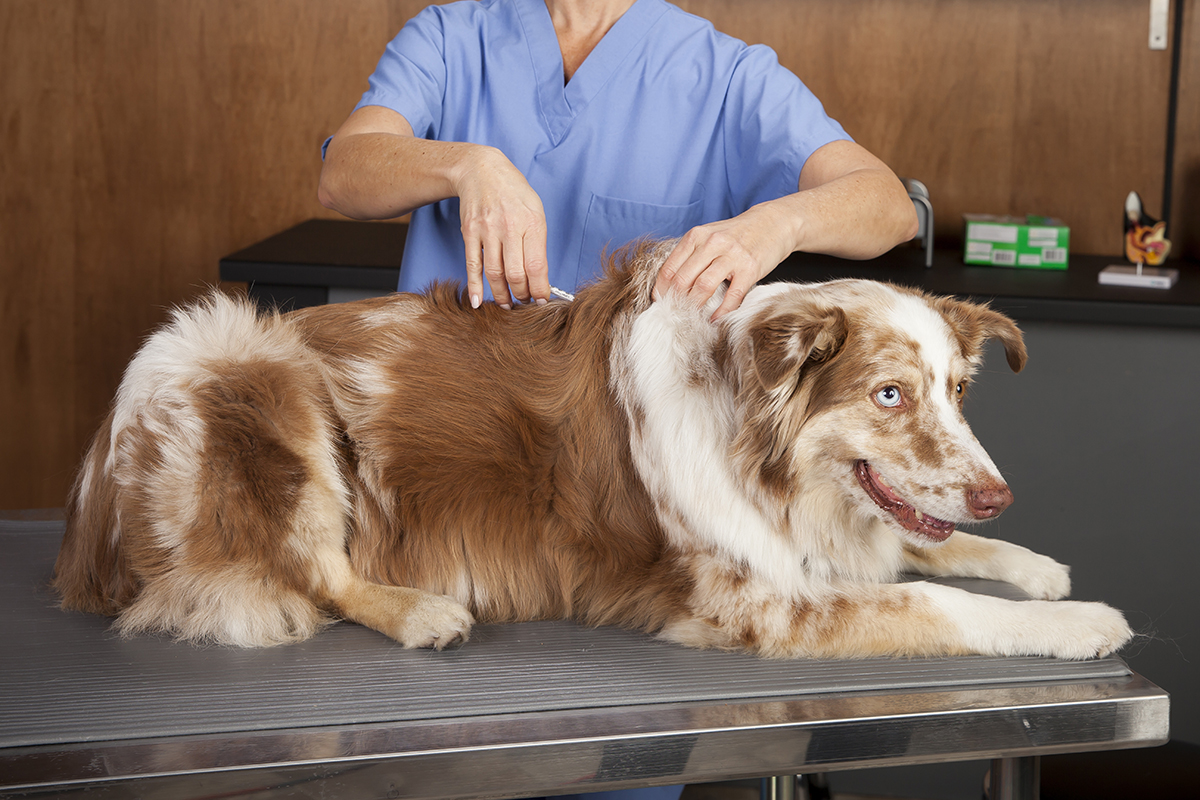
(848, 204)
(504, 230)
(740, 250)
(376, 169)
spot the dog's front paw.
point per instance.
(1039, 576)
(432, 621)
(1085, 630)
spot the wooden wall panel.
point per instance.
(144, 139)
(206, 121)
(999, 106)
(119, 195)
(1090, 116)
(1185, 214)
(37, 216)
(896, 75)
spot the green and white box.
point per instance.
(1036, 242)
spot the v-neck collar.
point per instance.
(561, 103)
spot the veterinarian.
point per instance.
(526, 136)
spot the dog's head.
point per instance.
(857, 387)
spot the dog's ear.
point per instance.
(974, 324)
(784, 343)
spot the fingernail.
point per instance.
(476, 300)
(541, 301)
(506, 306)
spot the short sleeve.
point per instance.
(773, 123)
(410, 78)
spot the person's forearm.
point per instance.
(386, 175)
(859, 215)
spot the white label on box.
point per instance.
(1004, 258)
(1040, 237)
(1054, 255)
(985, 232)
(1029, 260)
(979, 249)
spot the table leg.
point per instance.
(1016, 779)
(779, 787)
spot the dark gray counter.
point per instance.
(303, 264)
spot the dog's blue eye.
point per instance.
(888, 397)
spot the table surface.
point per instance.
(366, 255)
(536, 708)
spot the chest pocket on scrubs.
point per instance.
(612, 222)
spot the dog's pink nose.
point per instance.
(988, 501)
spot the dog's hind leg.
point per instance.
(232, 508)
(966, 556)
(413, 617)
(222, 481)
(214, 505)
(257, 556)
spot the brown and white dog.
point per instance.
(414, 465)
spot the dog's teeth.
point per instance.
(920, 517)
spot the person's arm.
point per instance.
(376, 169)
(848, 204)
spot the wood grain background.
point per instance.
(141, 140)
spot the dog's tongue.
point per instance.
(886, 498)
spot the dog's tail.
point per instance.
(91, 573)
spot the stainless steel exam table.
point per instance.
(520, 710)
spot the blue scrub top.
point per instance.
(666, 125)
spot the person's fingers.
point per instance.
(669, 270)
(474, 260)
(537, 269)
(707, 257)
(504, 231)
(695, 268)
(514, 264)
(709, 275)
(493, 271)
(735, 293)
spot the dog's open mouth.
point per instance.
(886, 498)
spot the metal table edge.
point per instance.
(473, 756)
